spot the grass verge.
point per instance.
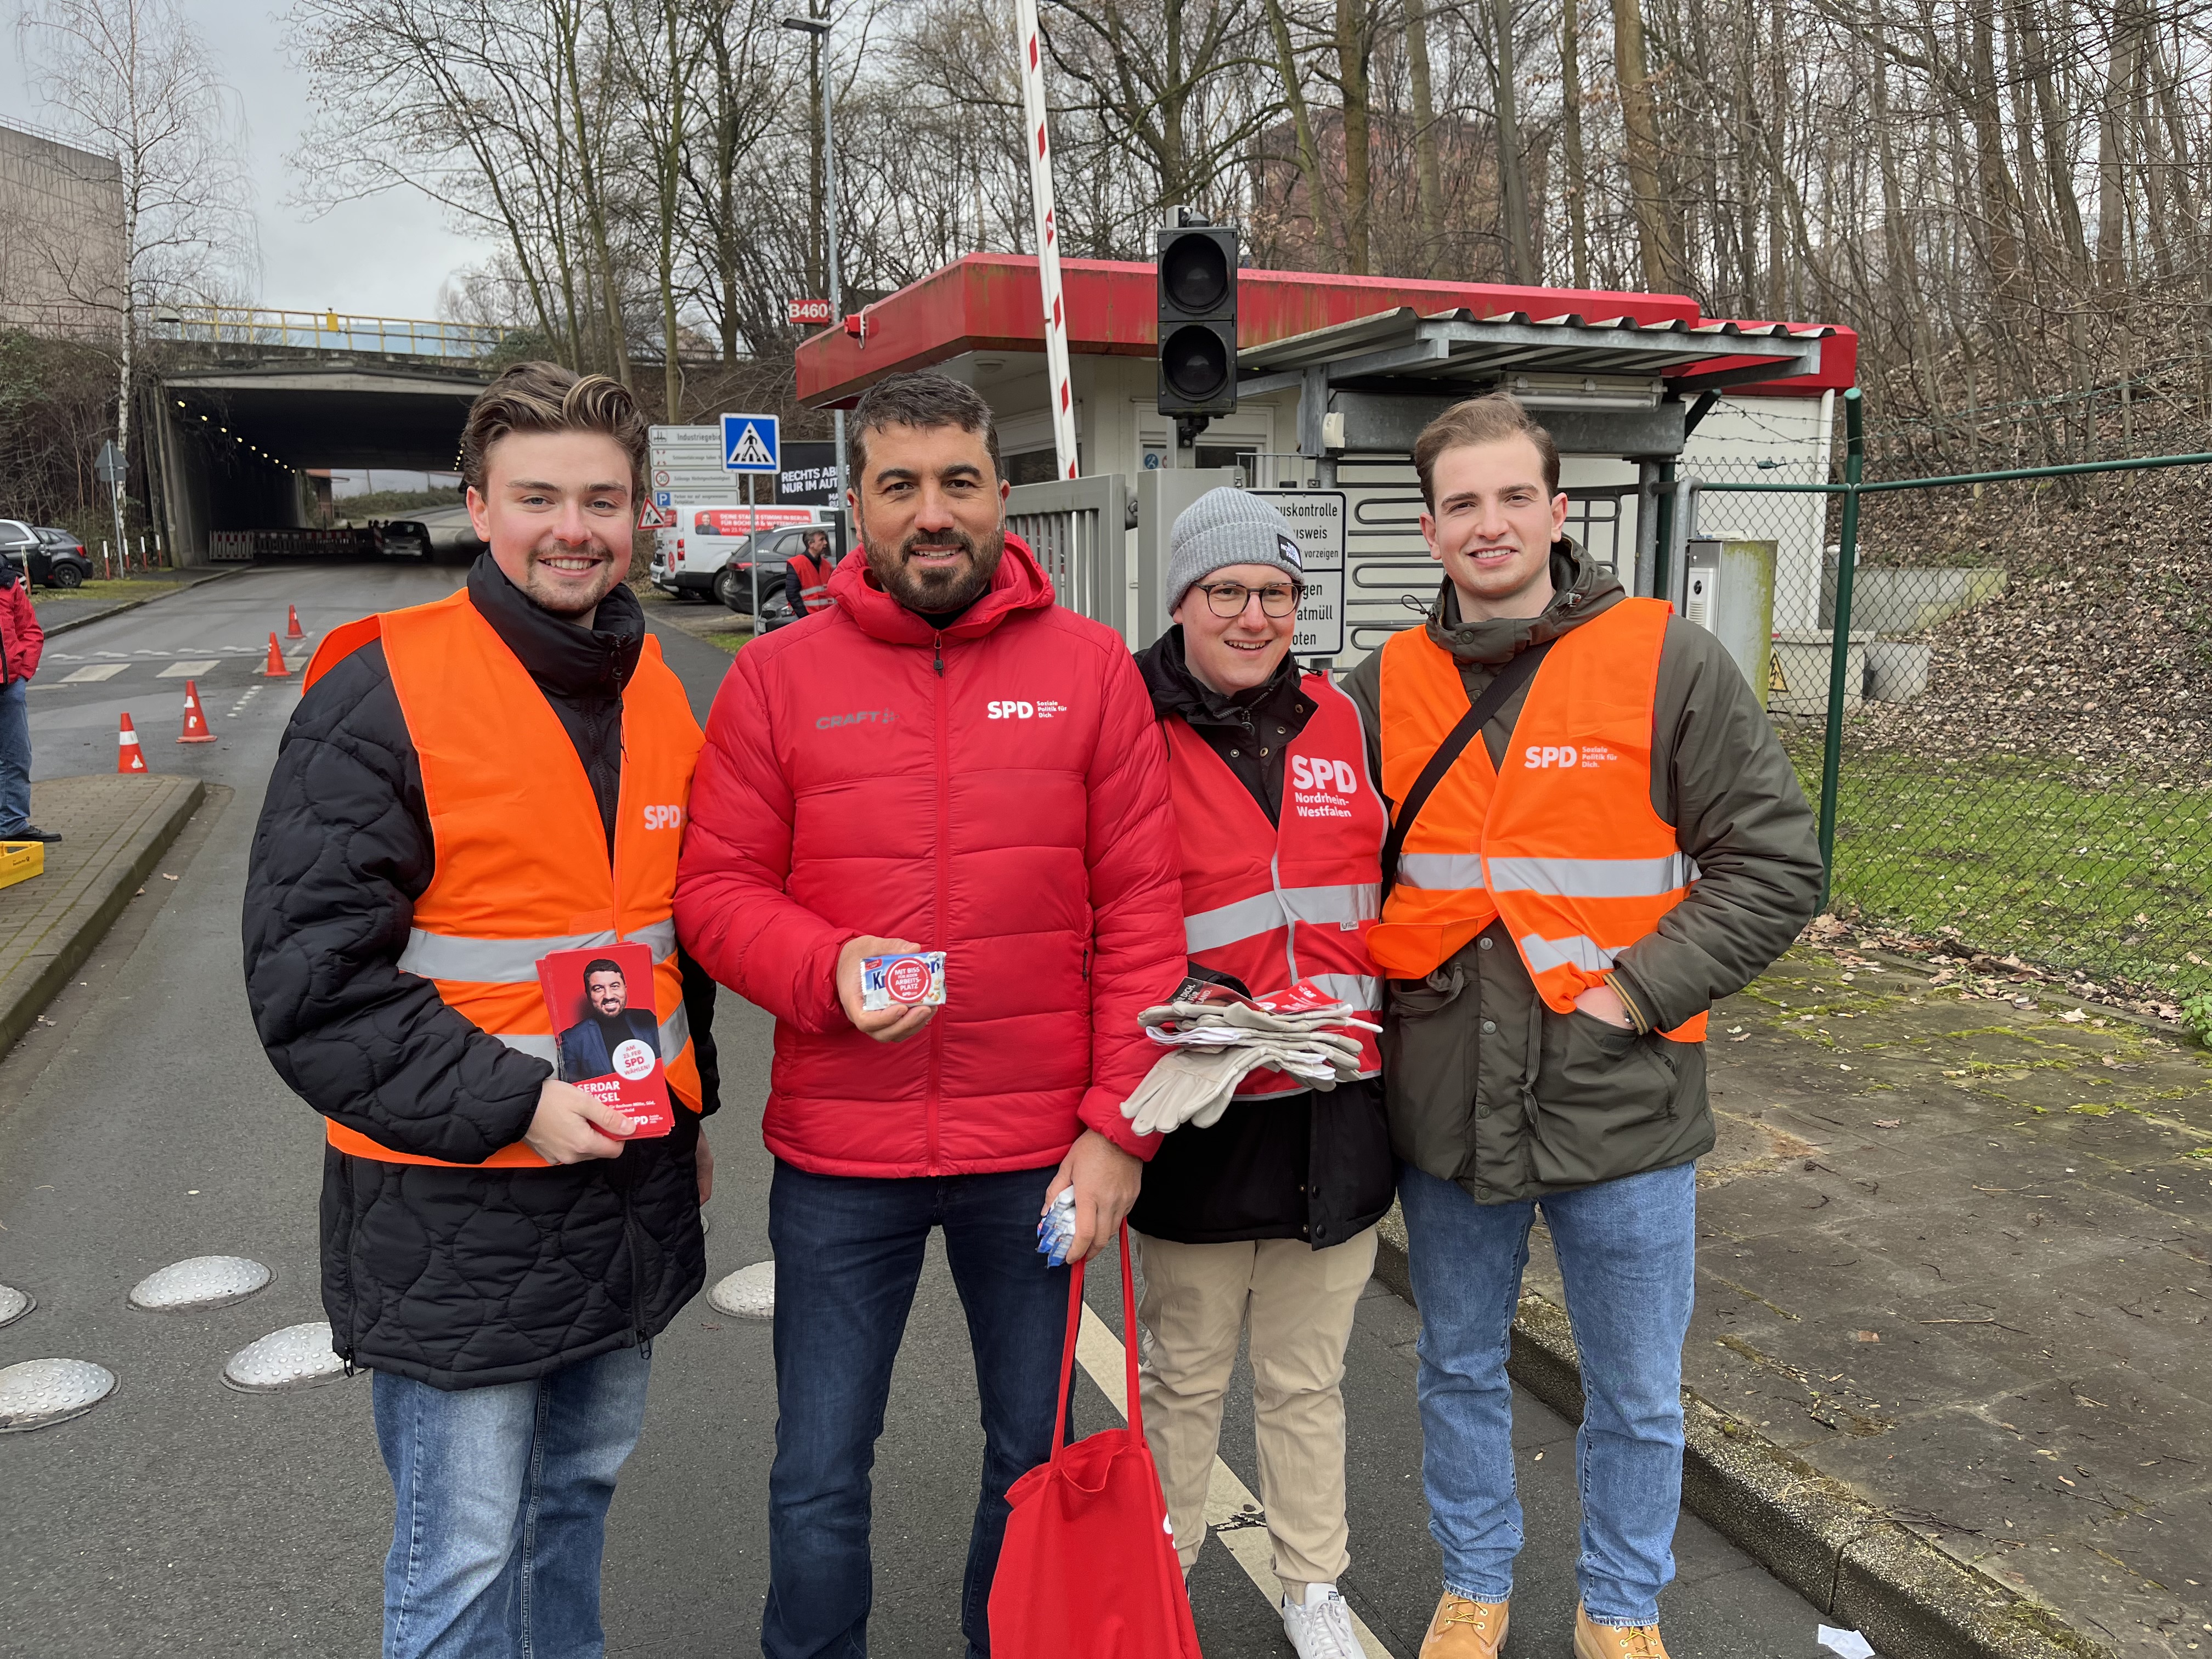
(2027, 859)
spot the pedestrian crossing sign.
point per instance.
(750, 443)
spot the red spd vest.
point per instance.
(1272, 904)
(1565, 844)
(521, 850)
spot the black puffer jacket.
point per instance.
(460, 1278)
(1315, 1166)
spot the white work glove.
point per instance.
(1240, 1017)
(1196, 1085)
(1189, 1086)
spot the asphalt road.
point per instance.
(144, 1125)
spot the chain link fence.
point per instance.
(1999, 689)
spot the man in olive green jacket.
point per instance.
(1498, 1103)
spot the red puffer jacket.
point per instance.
(21, 639)
(998, 792)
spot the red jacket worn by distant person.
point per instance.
(21, 639)
(998, 792)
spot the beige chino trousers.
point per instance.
(1298, 1301)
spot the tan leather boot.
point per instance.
(1594, 1641)
(1465, 1629)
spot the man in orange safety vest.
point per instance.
(1595, 836)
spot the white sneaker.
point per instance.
(1322, 1629)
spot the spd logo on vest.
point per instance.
(663, 818)
(1321, 788)
(1538, 757)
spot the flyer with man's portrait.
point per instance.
(601, 1003)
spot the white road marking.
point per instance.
(252, 692)
(187, 669)
(1227, 1499)
(186, 651)
(106, 670)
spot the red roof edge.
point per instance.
(990, 302)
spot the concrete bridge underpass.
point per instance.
(249, 400)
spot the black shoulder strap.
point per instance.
(1516, 673)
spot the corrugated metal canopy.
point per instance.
(1459, 346)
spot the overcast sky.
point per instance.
(382, 258)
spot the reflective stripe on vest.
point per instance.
(520, 848)
(1271, 905)
(1563, 843)
(814, 580)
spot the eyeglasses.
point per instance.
(1229, 598)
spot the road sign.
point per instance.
(814, 311)
(656, 517)
(1317, 519)
(692, 450)
(692, 475)
(810, 472)
(108, 469)
(749, 443)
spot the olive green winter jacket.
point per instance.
(1488, 1087)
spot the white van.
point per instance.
(693, 561)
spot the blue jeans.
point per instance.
(1627, 1252)
(848, 1252)
(14, 758)
(503, 1495)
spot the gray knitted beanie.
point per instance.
(1223, 527)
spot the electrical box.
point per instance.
(1728, 591)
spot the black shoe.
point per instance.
(32, 832)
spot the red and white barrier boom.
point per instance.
(1048, 234)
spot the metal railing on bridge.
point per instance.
(323, 330)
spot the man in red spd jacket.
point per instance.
(945, 760)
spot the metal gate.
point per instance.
(1079, 530)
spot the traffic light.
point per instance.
(1198, 318)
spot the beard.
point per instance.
(936, 591)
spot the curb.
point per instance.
(87, 922)
(1862, 1569)
(133, 605)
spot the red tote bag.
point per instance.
(1089, 1568)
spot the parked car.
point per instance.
(59, 560)
(49, 557)
(17, 542)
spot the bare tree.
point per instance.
(134, 80)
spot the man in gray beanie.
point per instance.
(1266, 1217)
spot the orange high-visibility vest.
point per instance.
(1564, 846)
(813, 583)
(520, 848)
(1274, 903)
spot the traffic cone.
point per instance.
(196, 726)
(129, 757)
(275, 668)
(292, 629)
